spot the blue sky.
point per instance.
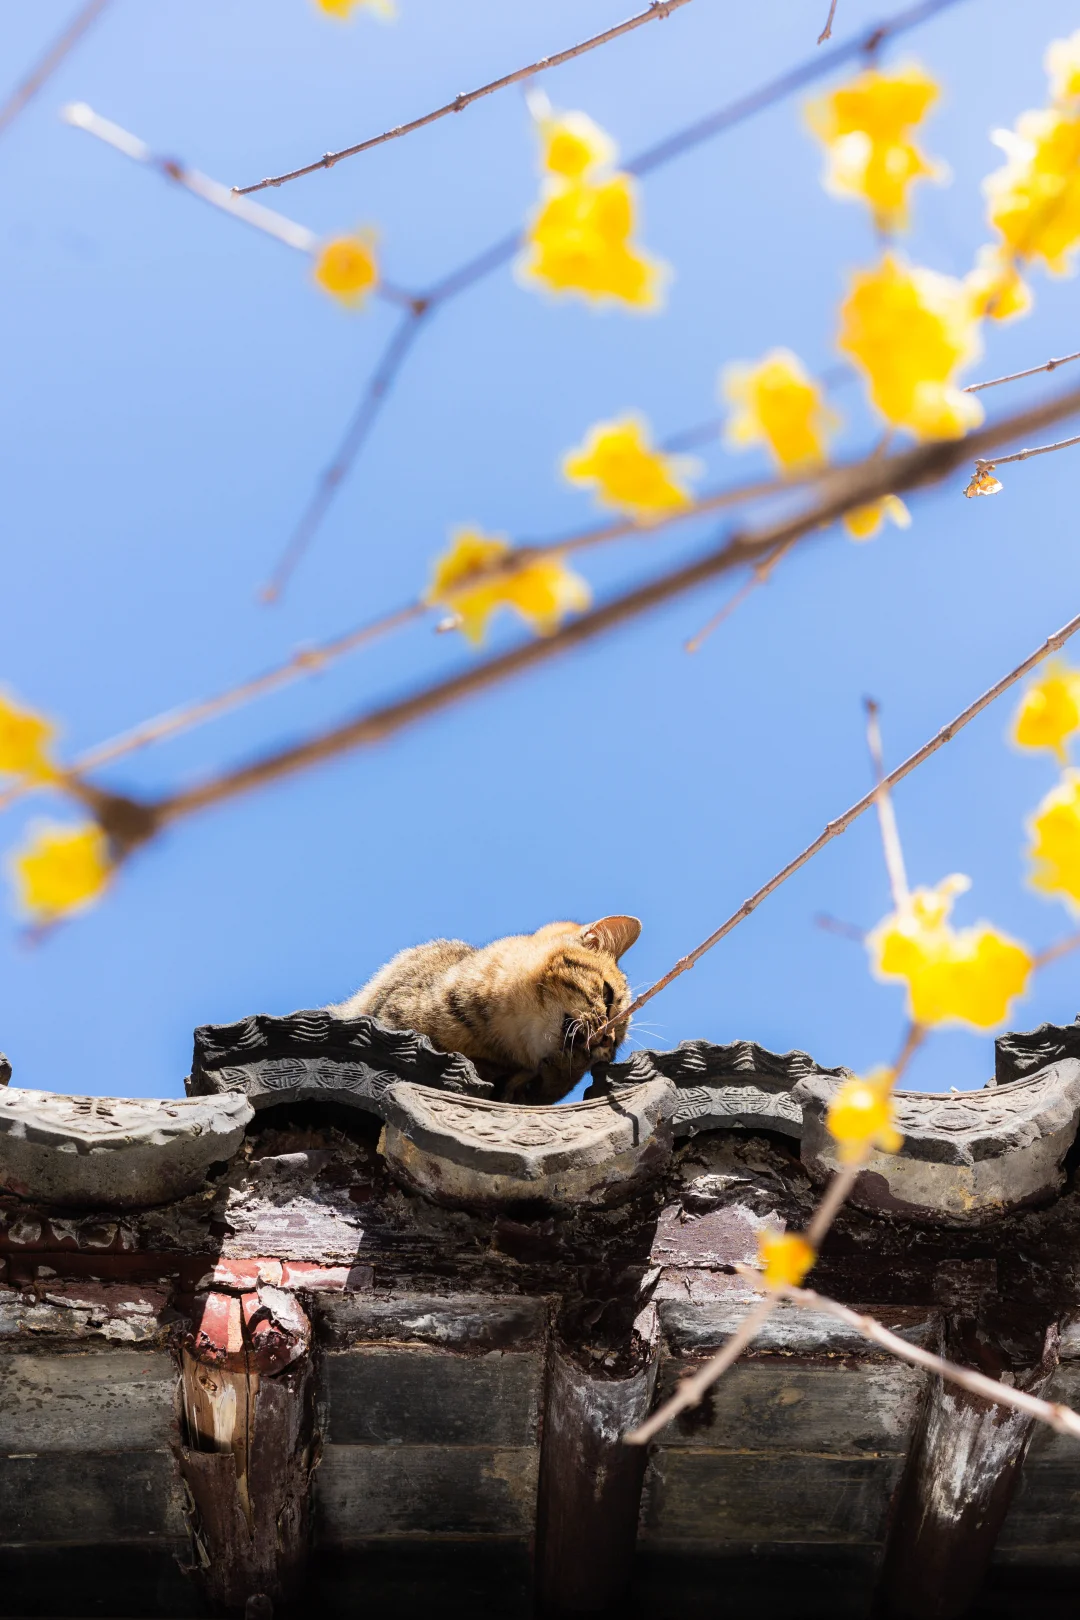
(174, 383)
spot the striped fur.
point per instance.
(521, 1008)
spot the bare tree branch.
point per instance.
(1015, 376)
(1060, 947)
(666, 151)
(778, 89)
(841, 489)
(842, 823)
(80, 116)
(759, 575)
(1024, 455)
(836, 925)
(826, 32)
(691, 1389)
(312, 659)
(58, 50)
(890, 832)
(1059, 1417)
(356, 434)
(465, 98)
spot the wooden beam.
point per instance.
(962, 1471)
(590, 1483)
(247, 1451)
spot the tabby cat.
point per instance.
(521, 1008)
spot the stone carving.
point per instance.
(967, 1157)
(353, 1061)
(470, 1151)
(1021, 1054)
(113, 1151)
(737, 1086)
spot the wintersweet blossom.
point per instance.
(580, 240)
(866, 129)
(25, 742)
(543, 592)
(1062, 63)
(997, 290)
(61, 870)
(910, 330)
(777, 403)
(344, 9)
(864, 522)
(619, 462)
(572, 146)
(347, 268)
(786, 1258)
(581, 237)
(1055, 841)
(965, 975)
(1049, 711)
(860, 1117)
(1034, 200)
(983, 482)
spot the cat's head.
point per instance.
(583, 978)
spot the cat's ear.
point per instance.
(612, 934)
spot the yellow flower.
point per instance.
(25, 742)
(1034, 201)
(347, 269)
(997, 290)
(1055, 846)
(1049, 711)
(860, 1117)
(983, 482)
(580, 241)
(344, 8)
(61, 870)
(786, 1257)
(543, 592)
(574, 147)
(1063, 66)
(910, 330)
(619, 462)
(965, 975)
(865, 126)
(864, 522)
(778, 404)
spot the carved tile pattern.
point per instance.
(314, 1053)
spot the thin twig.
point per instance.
(363, 422)
(760, 574)
(890, 833)
(1015, 376)
(786, 84)
(364, 418)
(465, 98)
(1059, 1417)
(306, 661)
(826, 32)
(1060, 948)
(691, 1389)
(312, 660)
(842, 489)
(293, 235)
(1023, 455)
(655, 157)
(842, 823)
(47, 66)
(836, 925)
(80, 116)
